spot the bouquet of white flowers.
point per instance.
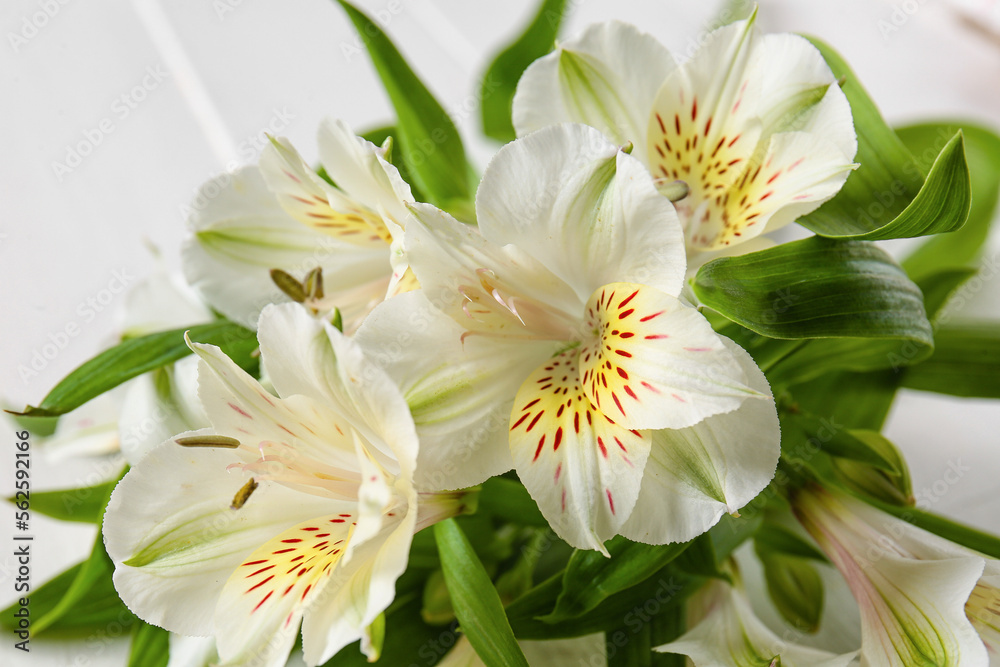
(581, 409)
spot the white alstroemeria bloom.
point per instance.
(922, 597)
(552, 338)
(588, 650)
(295, 507)
(731, 635)
(754, 127)
(282, 215)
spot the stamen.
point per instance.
(208, 441)
(243, 494)
(672, 190)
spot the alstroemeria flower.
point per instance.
(754, 127)
(731, 635)
(282, 215)
(296, 507)
(922, 597)
(552, 337)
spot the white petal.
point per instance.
(161, 302)
(656, 363)
(239, 407)
(792, 69)
(192, 651)
(260, 607)
(912, 604)
(240, 233)
(460, 391)
(314, 202)
(304, 356)
(358, 591)
(732, 636)
(581, 467)
(175, 540)
(484, 287)
(358, 168)
(606, 78)
(696, 474)
(158, 405)
(589, 213)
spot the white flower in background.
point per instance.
(131, 418)
(282, 215)
(291, 508)
(552, 338)
(922, 597)
(729, 634)
(754, 127)
(588, 651)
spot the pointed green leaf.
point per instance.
(98, 612)
(136, 356)
(837, 441)
(430, 143)
(590, 577)
(500, 80)
(817, 288)
(476, 602)
(888, 177)
(776, 538)
(85, 504)
(982, 150)
(795, 587)
(92, 580)
(150, 646)
(966, 362)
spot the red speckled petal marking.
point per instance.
(654, 362)
(581, 467)
(274, 584)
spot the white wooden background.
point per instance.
(202, 80)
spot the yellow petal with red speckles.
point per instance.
(581, 467)
(655, 362)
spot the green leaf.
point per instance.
(100, 612)
(85, 504)
(795, 588)
(888, 177)
(825, 358)
(92, 580)
(837, 441)
(667, 589)
(816, 288)
(500, 80)
(150, 646)
(508, 500)
(590, 577)
(982, 150)
(136, 356)
(966, 362)
(775, 538)
(430, 143)
(477, 604)
(942, 205)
